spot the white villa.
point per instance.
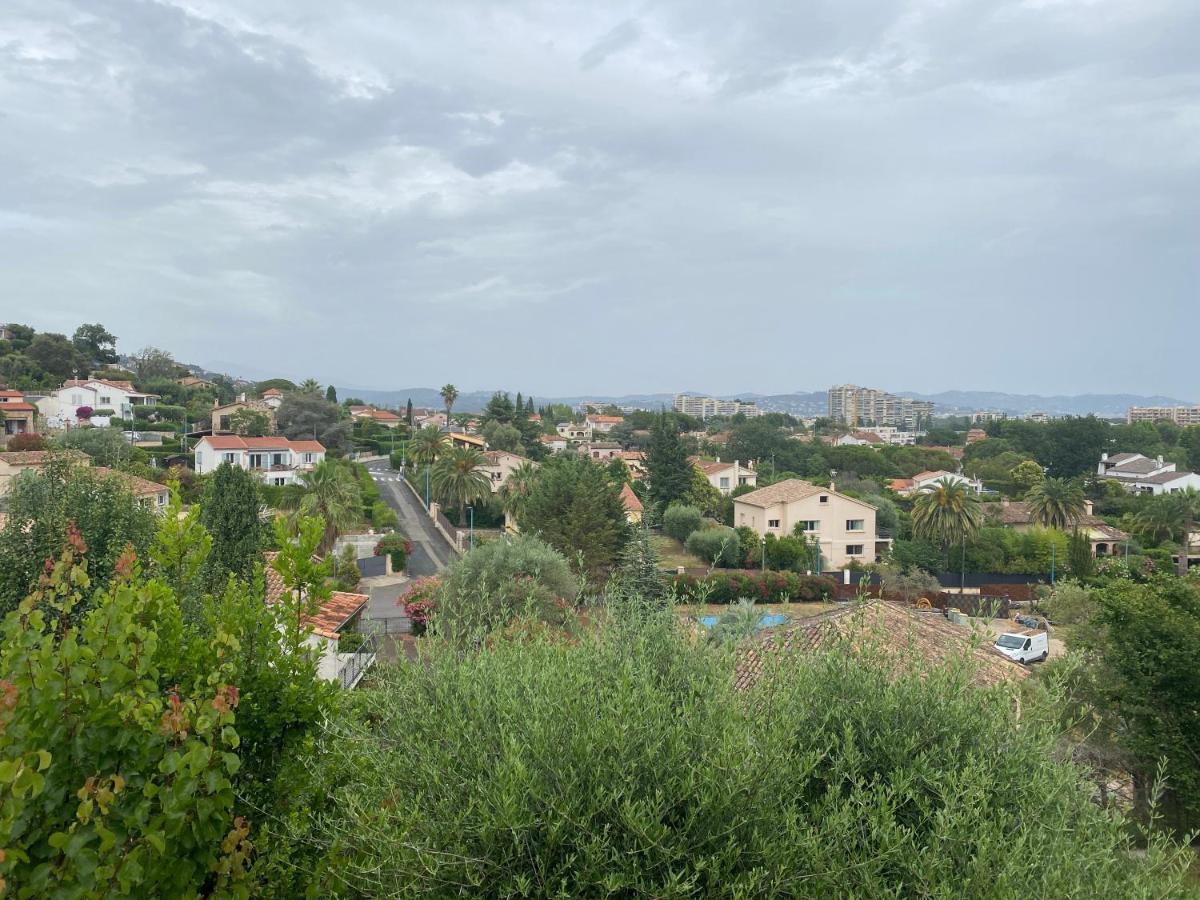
(726, 476)
(59, 406)
(276, 459)
(1143, 475)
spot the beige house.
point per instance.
(1105, 539)
(633, 506)
(18, 417)
(13, 464)
(149, 494)
(222, 416)
(384, 417)
(842, 526)
(500, 464)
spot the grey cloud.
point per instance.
(722, 195)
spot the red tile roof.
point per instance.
(9, 406)
(41, 457)
(616, 420)
(16, 394)
(237, 442)
(140, 487)
(335, 612)
(272, 392)
(630, 499)
(911, 640)
(901, 484)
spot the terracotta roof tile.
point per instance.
(630, 499)
(912, 640)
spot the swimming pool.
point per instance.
(768, 620)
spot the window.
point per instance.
(772, 523)
(308, 457)
(854, 524)
(854, 549)
(809, 524)
(279, 481)
(725, 482)
(199, 460)
(824, 498)
(106, 401)
(229, 457)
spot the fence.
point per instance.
(388, 625)
(353, 665)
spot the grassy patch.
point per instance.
(672, 553)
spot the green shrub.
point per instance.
(629, 765)
(502, 580)
(383, 516)
(680, 520)
(717, 546)
(763, 587)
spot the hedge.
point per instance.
(763, 587)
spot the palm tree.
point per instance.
(1056, 503)
(514, 493)
(459, 479)
(310, 386)
(947, 512)
(1171, 517)
(427, 445)
(331, 491)
(449, 394)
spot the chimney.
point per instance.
(1159, 459)
(1103, 457)
(1087, 507)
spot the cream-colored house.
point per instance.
(13, 464)
(500, 464)
(844, 527)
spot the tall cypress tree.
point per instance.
(331, 394)
(668, 472)
(230, 513)
(408, 412)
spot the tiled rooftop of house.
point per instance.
(912, 639)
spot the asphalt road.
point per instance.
(430, 551)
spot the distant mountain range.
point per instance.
(814, 403)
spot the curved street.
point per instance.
(431, 552)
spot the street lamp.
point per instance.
(471, 510)
(764, 554)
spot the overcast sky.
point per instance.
(715, 195)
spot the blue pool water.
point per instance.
(767, 621)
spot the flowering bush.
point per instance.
(84, 413)
(398, 547)
(420, 602)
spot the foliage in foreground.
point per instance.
(628, 765)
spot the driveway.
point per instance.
(431, 552)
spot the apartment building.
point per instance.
(1180, 415)
(856, 406)
(707, 407)
(842, 526)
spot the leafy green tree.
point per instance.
(500, 581)
(1056, 503)
(229, 513)
(250, 422)
(1142, 678)
(680, 520)
(331, 394)
(44, 505)
(449, 395)
(916, 554)
(1171, 517)
(117, 743)
(1027, 474)
(330, 492)
(719, 546)
(577, 510)
(151, 363)
(310, 386)
(458, 478)
(56, 357)
(947, 513)
(96, 343)
(1079, 555)
(502, 437)
(668, 470)
(106, 446)
(639, 576)
(308, 416)
(180, 552)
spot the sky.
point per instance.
(604, 198)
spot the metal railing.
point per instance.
(386, 625)
(358, 661)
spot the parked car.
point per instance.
(1024, 646)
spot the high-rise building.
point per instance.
(856, 406)
(1180, 415)
(707, 407)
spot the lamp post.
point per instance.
(471, 510)
(764, 553)
(426, 485)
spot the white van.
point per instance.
(1024, 646)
